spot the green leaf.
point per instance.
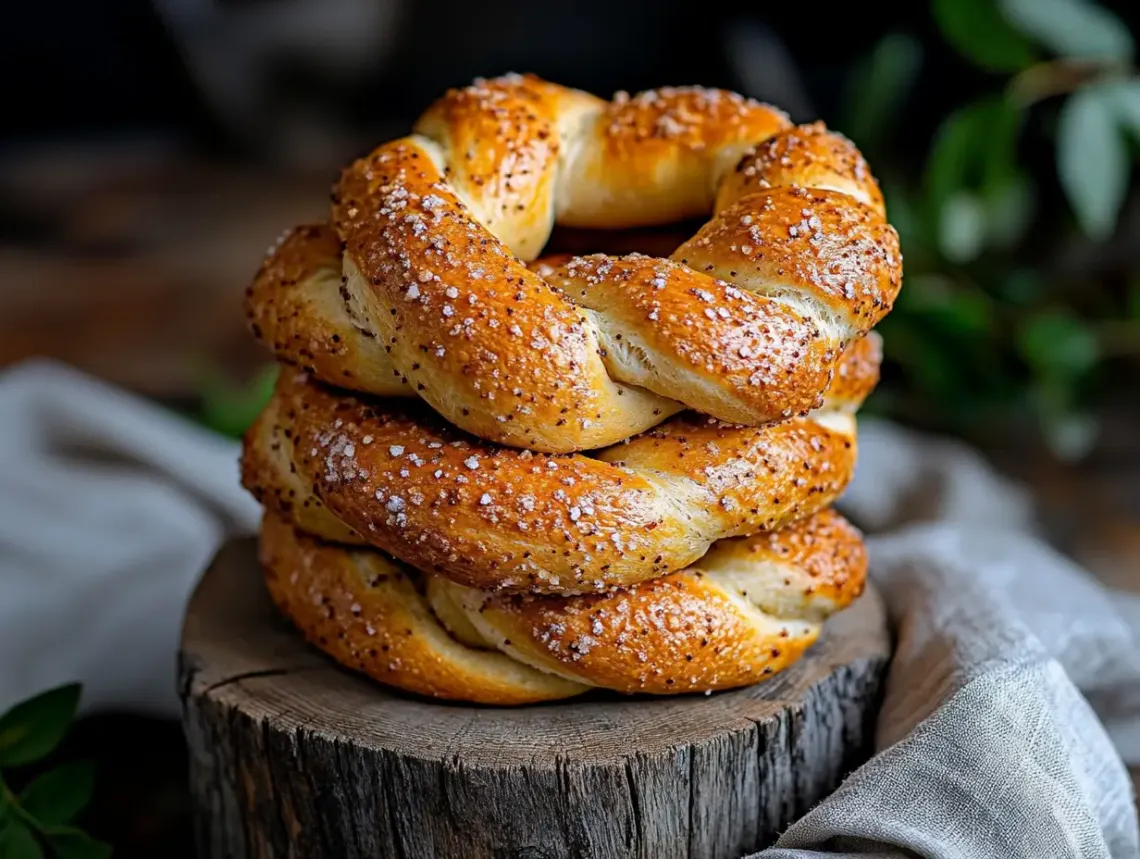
(1021, 286)
(953, 308)
(1072, 436)
(977, 30)
(33, 728)
(17, 842)
(230, 408)
(976, 145)
(1132, 301)
(1071, 28)
(1058, 344)
(4, 804)
(962, 227)
(1092, 161)
(931, 366)
(68, 843)
(973, 184)
(1069, 431)
(902, 209)
(57, 796)
(1124, 98)
(955, 154)
(1009, 209)
(967, 314)
(1003, 119)
(879, 86)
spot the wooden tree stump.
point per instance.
(292, 756)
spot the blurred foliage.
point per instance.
(988, 326)
(228, 406)
(36, 821)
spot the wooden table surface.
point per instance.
(130, 264)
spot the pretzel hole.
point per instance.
(659, 241)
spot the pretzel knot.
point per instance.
(745, 322)
(746, 610)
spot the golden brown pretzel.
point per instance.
(392, 474)
(744, 323)
(746, 610)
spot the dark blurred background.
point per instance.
(151, 151)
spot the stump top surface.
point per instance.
(238, 651)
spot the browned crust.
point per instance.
(499, 518)
(658, 156)
(368, 613)
(805, 243)
(268, 472)
(744, 612)
(504, 141)
(296, 308)
(287, 311)
(699, 629)
(856, 374)
(436, 300)
(751, 354)
(807, 155)
(484, 340)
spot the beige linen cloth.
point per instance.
(1012, 697)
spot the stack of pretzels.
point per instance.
(503, 479)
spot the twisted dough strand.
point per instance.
(397, 477)
(746, 610)
(745, 323)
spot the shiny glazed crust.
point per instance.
(745, 611)
(745, 322)
(390, 473)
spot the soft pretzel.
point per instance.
(746, 610)
(392, 474)
(744, 323)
